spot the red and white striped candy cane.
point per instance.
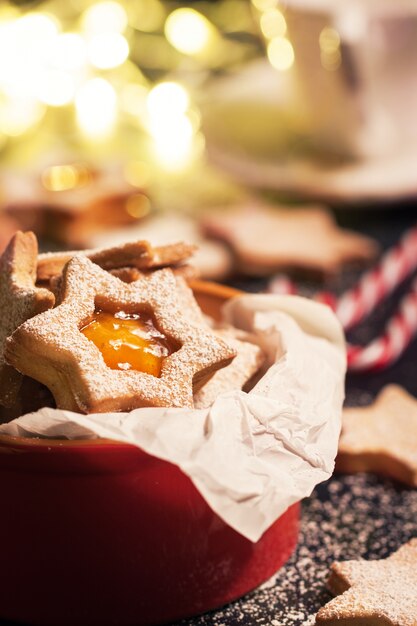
(386, 349)
(395, 266)
(355, 304)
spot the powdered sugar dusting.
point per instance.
(345, 518)
(51, 349)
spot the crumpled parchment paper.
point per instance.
(250, 455)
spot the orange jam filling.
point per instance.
(128, 341)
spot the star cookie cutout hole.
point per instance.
(52, 349)
(129, 341)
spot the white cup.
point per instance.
(356, 69)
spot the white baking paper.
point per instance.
(251, 455)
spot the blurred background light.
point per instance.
(280, 53)
(104, 17)
(65, 177)
(330, 55)
(264, 5)
(167, 99)
(18, 115)
(108, 50)
(188, 30)
(55, 88)
(68, 51)
(96, 106)
(273, 24)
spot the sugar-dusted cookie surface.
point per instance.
(266, 238)
(374, 593)
(212, 259)
(249, 358)
(382, 437)
(52, 349)
(20, 300)
(138, 255)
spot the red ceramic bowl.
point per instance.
(99, 532)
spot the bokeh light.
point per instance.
(104, 17)
(273, 24)
(280, 53)
(188, 30)
(68, 51)
(18, 115)
(167, 99)
(329, 41)
(108, 50)
(96, 106)
(169, 125)
(264, 5)
(65, 177)
(55, 88)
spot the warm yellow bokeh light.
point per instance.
(36, 27)
(330, 54)
(55, 88)
(104, 17)
(18, 115)
(280, 53)
(169, 125)
(25, 46)
(188, 30)
(329, 40)
(96, 106)
(138, 205)
(173, 141)
(167, 99)
(264, 5)
(273, 24)
(108, 50)
(68, 52)
(64, 177)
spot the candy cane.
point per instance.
(385, 350)
(355, 304)
(395, 266)
(374, 286)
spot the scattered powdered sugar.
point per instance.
(349, 517)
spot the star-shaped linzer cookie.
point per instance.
(266, 238)
(374, 593)
(52, 349)
(20, 300)
(381, 438)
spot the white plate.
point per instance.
(249, 127)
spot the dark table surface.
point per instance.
(348, 516)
